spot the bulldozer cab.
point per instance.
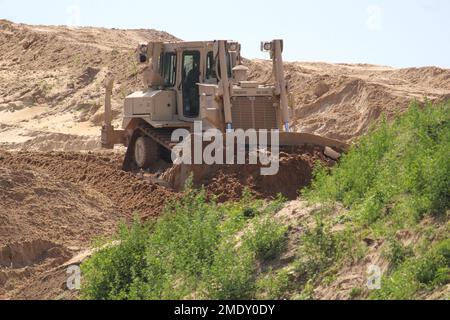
(183, 67)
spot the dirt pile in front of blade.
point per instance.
(228, 182)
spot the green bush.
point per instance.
(400, 171)
(396, 253)
(318, 250)
(110, 272)
(192, 251)
(356, 293)
(395, 176)
(267, 238)
(274, 285)
(416, 274)
(232, 274)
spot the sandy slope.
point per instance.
(53, 205)
(51, 79)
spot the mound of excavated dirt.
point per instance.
(20, 262)
(102, 173)
(52, 205)
(41, 217)
(227, 182)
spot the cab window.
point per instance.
(190, 80)
(211, 66)
(169, 68)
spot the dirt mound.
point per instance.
(21, 262)
(45, 220)
(38, 205)
(227, 182)
(29, 253)
(53, 205)
(129, 194)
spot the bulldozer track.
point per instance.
(162, 136)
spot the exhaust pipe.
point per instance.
(225, 84)
(277, 56)
(107, 129)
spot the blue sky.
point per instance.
(400, 33)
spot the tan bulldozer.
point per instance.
(191, 82)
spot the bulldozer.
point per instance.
(190, 82)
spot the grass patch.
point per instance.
(266, 238)
(399, 171)
(274, 285)
(418, 274)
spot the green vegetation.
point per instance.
(199, 249)
(399, 171)
(318, 250)
(420, 273)
(396, 179)
(274, 285)
(266, 238)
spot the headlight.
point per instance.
(266, 46)
(232, 46)
(143, 48)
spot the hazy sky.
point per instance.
(399, 33)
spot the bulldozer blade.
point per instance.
(294, 139)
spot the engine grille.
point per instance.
(254, 113)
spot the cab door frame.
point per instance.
(179, 85)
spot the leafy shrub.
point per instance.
(396, 253)
(274, 285)
(356, 293)
(318, 250)
(267, 238)
(111, 271)
(232, 275)
(191, 251)
(307, 292)
(427, 272)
